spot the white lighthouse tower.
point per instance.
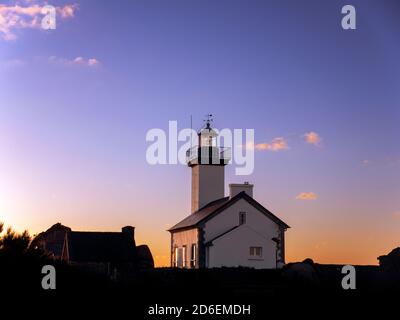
(207, 161)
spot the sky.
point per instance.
(76, 104)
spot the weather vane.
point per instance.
(208, 120)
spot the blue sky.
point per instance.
(72, 135)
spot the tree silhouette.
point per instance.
(14, 242)
(20, 262)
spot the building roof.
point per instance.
(52, 240)
(199, 215)
(215, 207)
(210, 242)
(100, 247)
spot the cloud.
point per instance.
(307, 196)
(68, 11)
(91, 62)
(14, 17)
(313, 138)
(277, 144)
(78, 60)
(13, 63)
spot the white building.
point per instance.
(224, 231)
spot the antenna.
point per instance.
(191, 132)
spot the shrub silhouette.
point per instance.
(14, 242)
(20, 263)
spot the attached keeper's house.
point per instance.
(229, 231)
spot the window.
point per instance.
(184, 257)
(179, 257)
(256, 252)
(242, 218)
(193, 255)
(176, 252)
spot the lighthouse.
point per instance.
(207, 161)
(224, 231)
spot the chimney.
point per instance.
(129, 233)
(235, 188)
